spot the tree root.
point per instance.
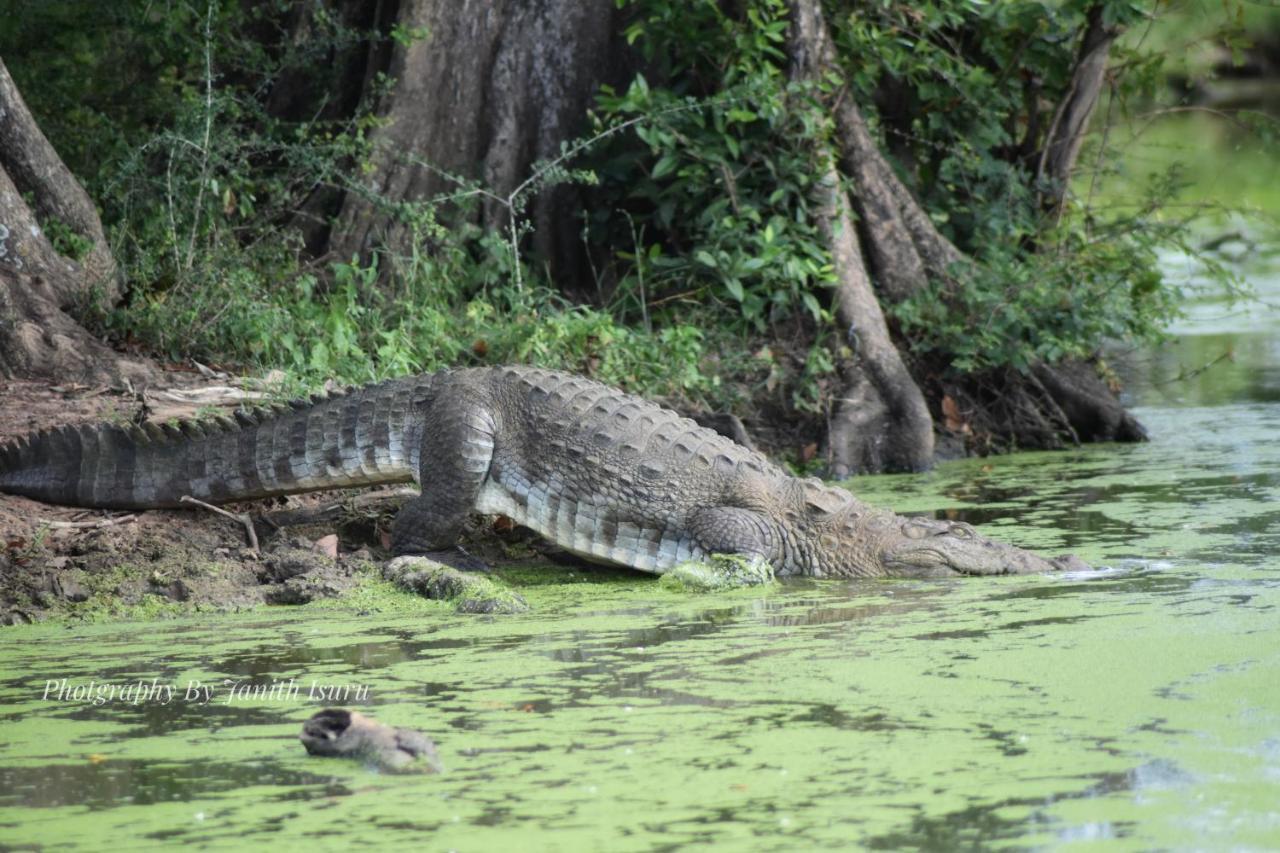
(1048, 408)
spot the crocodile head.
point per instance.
(852, 539)
(940, 548)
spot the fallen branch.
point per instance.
(315, 515)
(238, 517)
(213, 395)
(88, 525)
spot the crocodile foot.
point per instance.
(470, 593)
(718, 572)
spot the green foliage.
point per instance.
(67, 241)
(717, 193)
(721, 200)
(1018, 309)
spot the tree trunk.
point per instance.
(495, 87)
(1071, 118)
(38, 283)
(1051, 404)
(881, 421)
(902, 244)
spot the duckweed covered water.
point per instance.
(1134, 707)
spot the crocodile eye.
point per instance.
(962, 531)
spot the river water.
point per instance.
(1137, 706)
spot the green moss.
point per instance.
(105, 597)
(545, 575)
(469, 592)
(373, 594)
(108, 608)
(482, 595)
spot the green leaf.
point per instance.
(811, 302)
(665, 166)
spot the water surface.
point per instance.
(1134, 707)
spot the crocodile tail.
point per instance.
(365, 437)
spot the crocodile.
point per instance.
(606, 475)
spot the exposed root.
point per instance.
(1049, 408)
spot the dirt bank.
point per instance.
(65, 561)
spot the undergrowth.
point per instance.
(713, 287)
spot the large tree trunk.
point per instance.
(495, 87)
(39, 284)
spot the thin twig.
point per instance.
(208, 127)
(173, 222)
(241, 518)
(674, 296)
(1185, 374)
(1102, 151)
(640, 262)
(88, 525)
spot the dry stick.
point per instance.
(241, 518)
(88, 525)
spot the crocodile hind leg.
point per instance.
(455, 453)
(456, 449)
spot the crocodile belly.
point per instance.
(590, 527)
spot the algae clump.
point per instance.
(469, 592)
(718, 572)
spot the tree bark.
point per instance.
(38, 284)
(1071, 118)
(495, 87)
(881, 420)
(899, 271)
(30, 167)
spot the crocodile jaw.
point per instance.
(960, 551)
